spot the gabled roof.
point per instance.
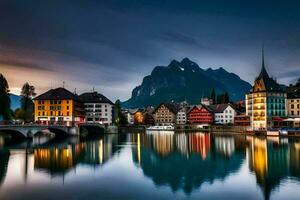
(172, 107)
(94, 97)
(219, 108)
(209, 108)
(57, 94)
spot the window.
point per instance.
(43, 113)
(68, 113)
(67, 107)
(67, 102)
(39, 102)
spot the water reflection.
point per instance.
(273, 161)
(185, 161)
(180, 162)
(4, 157)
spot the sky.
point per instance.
(111, 45)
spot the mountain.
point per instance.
(15, 101)
(185, 81)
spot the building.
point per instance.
(129, 114)
(58, 106)
(165, 114)
(293, 100)
(200, 115)
(267, 99)
(206, 101)
(181, 116)
(242, 120)
(224, 113)
(98, 108)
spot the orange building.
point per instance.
(58, 106)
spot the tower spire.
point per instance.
(263, 72)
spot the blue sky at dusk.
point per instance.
(111, 45)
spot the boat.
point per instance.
(160, 129)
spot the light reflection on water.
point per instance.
(140, 166)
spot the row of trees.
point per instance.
(221, 98)
(25, 112)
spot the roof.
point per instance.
(269, 83)
(94, 97)
(209, 108)
(219, 108)
(293, 92)
(57, 94)
(172, 107)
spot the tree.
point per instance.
(226, 97)
(213, 96)
(27, 94)
(120, 117)
(5, 112)
(223, 98)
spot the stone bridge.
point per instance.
(28, 131)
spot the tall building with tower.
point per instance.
(266, 100)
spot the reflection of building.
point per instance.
(265, 100)
(200, 143)
(273, 162)
(58, 106)
(4, 157)
(98, 108)
(179, 169)
(57, 160)
(293, 100)
(259, 158)
(225, 145)
(162, 143)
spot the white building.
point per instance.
(224, 114)
(98, 108)
(129, 114)
(181, 116)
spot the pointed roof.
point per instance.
(269, 83)
(263, 73)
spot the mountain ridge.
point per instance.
(185, 81)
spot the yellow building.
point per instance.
(265, 101)
(58, 106)
(293, 99)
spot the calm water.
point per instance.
(140, 166)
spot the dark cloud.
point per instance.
(114, 43)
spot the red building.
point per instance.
(200, 115)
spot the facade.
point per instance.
(224, 114)
(206, 101)
(129, 114)
(165, 114)
(98, 108)
(242, 120)
(267, 99)
(200, 115)
(58, 106)
(181, 116)
(293, 100)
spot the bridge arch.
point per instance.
(16, 134)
